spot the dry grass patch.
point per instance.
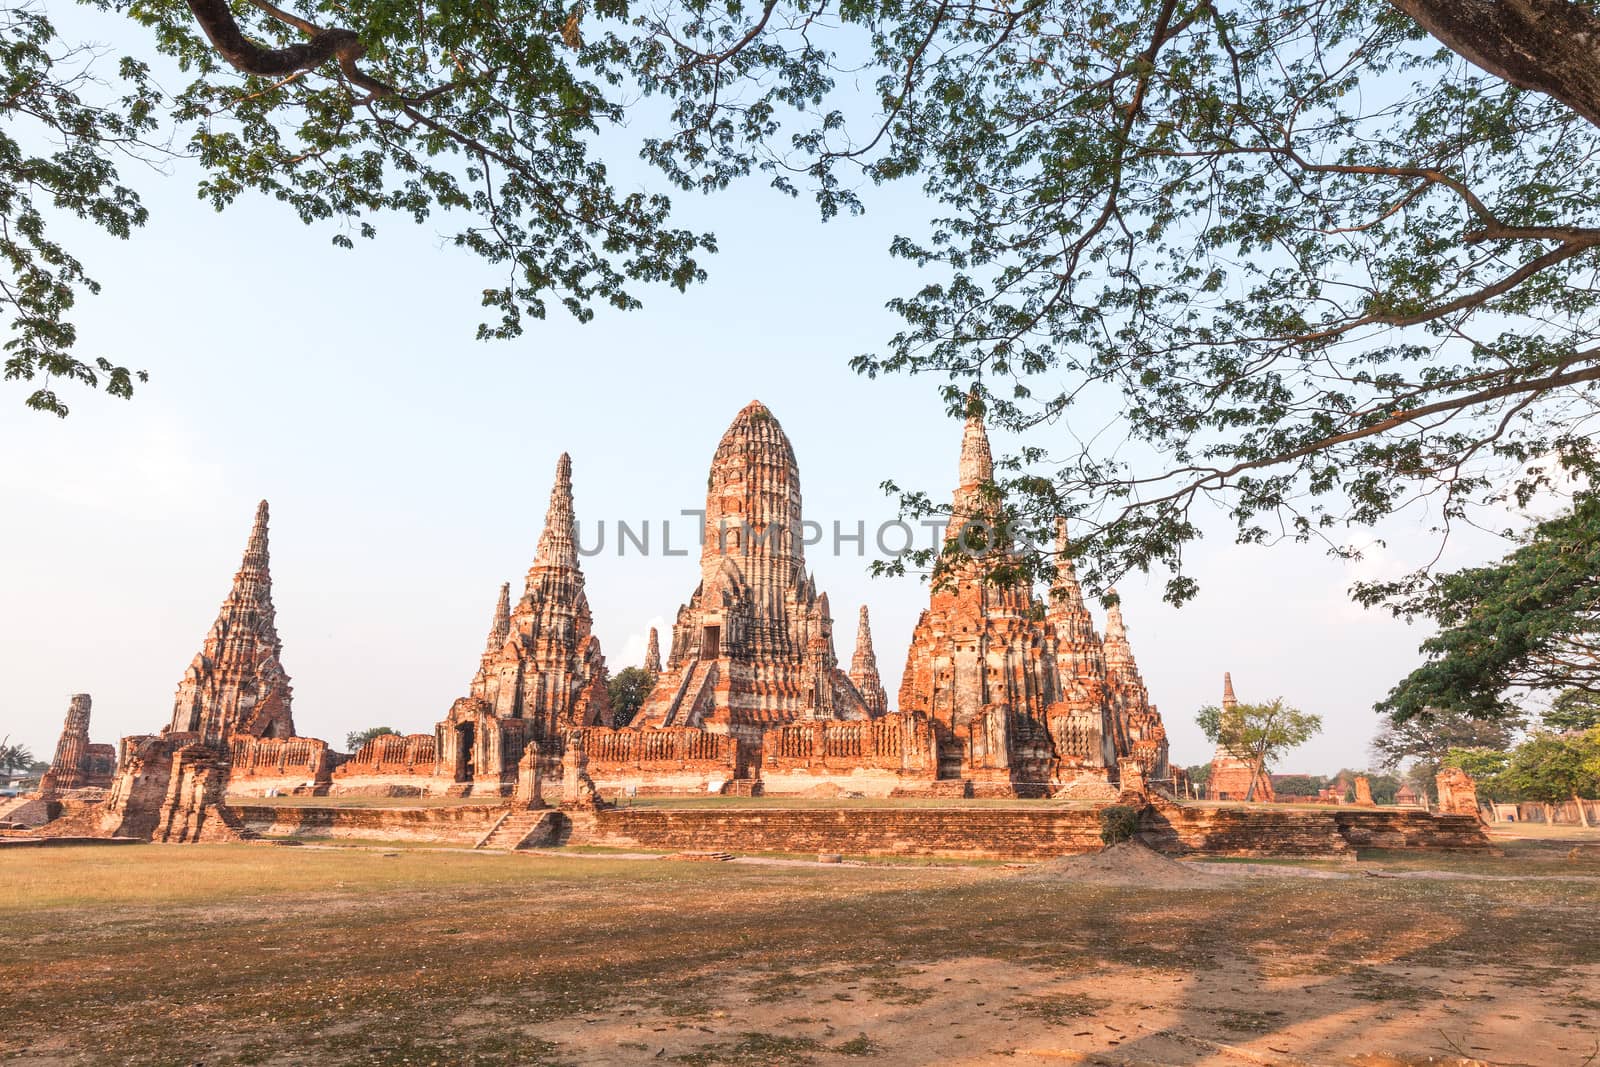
(255, 954)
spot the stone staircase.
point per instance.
(514, 828)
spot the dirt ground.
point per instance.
(260, 954)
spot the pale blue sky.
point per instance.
(408, 468)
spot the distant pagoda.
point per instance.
(236, 685)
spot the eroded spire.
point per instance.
(558, 544)
(864, 669)
(652, 653)
(500, 627)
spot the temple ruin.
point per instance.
(753, 647)
(236, 684)
(78, 763)
(1231, 776)
(1026, 699)
(1004, 694)
(231, 723)
(542, 673)
(864, 669)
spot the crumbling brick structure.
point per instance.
(753, 647)
(542, 673)
(392, 765)
(1458, 793)
(864, 669)
(78, 764)
(236, 684)
(1025, 699)
(233, 706)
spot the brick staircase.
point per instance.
(742, 787)
(514, 828)
(459, 789)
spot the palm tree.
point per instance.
(13, 758)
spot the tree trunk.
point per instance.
(1549, 46)
(1549, 814)
(1583, 814)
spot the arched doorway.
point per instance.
(466, 743)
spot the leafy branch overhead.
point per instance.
(1528, 622)
(343, 113)
(1315, 261)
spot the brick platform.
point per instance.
(461, 824)
(1023, 832)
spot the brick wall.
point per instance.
(1021, 833)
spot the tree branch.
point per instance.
(244, 55)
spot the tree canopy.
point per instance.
(14, 757)
(357, 740)
(346, 114)
(1573, 710)
(1552, 769)
(1529, 622)
(1316, 261)
(629, 687)
(1432, 733)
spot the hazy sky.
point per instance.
(408, 469)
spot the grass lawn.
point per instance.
(255, 954)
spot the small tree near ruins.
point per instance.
(1258, 733)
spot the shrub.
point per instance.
(1118, 823)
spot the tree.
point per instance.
(1433, 732)
(357, 740)
(346, 114)
(1316, 261)
(1530, 621)
(14, 757)
(1573, 711)
(1425, 740)
(76, 177)
(1298, 785)
(629, 687)
(1199, 774)
(1551, 769)
(1258, 733)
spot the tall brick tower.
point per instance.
(753, 647)
(237, 684)
(542, 672)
